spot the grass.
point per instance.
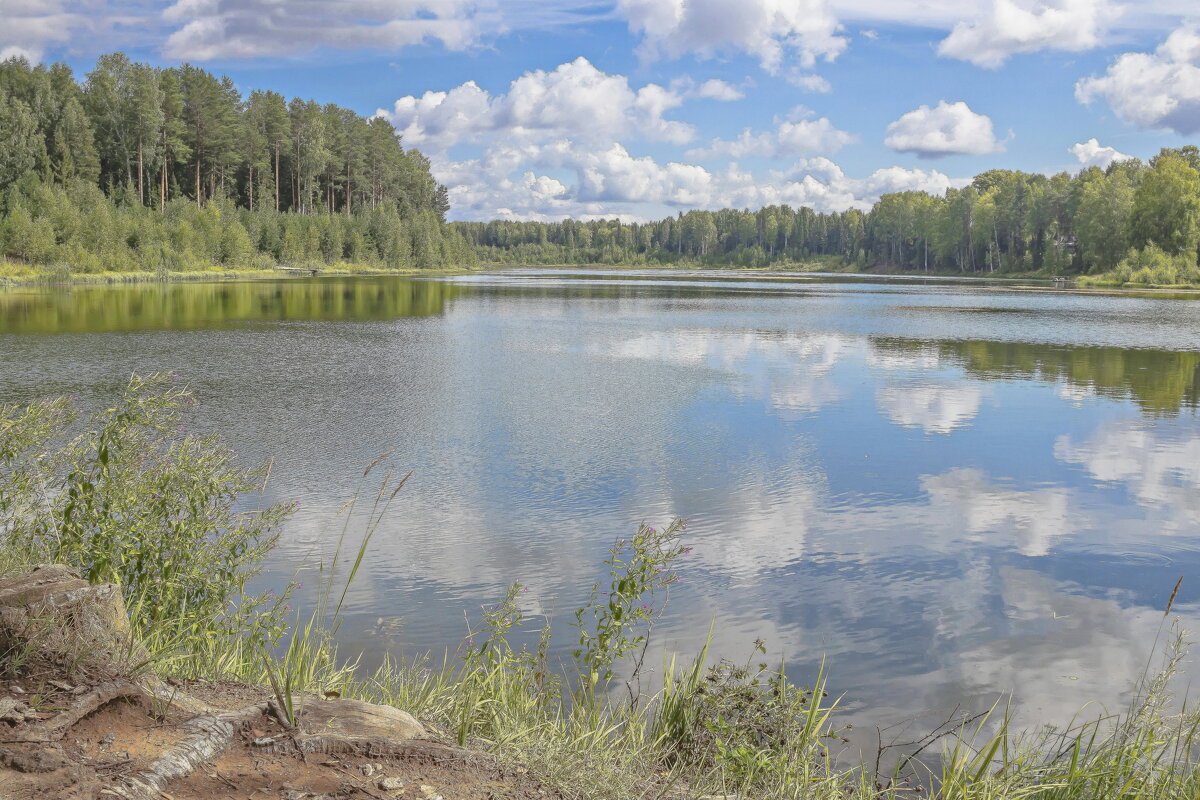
(124, 496)
(17, 274)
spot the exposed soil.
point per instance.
(126, 736)
(77, 724)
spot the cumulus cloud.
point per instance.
(612, 182)
(716, 89)
(1026, 27)
(789, 139)
(945, 130)
(1153, 90)
(32, 25)
(574, 100)
(564, 143)
(1093, 154)
(774, 31)
(210, 29)
(808, 81)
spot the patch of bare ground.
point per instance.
(71, 734)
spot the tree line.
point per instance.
(143, 167)
(1132, 222)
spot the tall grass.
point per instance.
(126, 496)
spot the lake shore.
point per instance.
(12, 275)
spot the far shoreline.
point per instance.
(27, 277)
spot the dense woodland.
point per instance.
(1134, 221)
(140, 168)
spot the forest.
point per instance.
(1131, 223)
(138, 168)
(151, 170)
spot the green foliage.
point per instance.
(1004, 222)
(614, 624)
(294, 183)
(1166, 206)
(751, 722)
(1152, 266)
(136, 500)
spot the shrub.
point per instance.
(136, 500)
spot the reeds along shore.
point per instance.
(136, 500)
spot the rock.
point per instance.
(15, 712)
(429, 793)
(368, 770)
(107, 739)
(68, 626)
(359, 719)
(35, 758)
(263, 741)
(390, 784)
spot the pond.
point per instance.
(947, 490)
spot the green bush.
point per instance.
(135, 499)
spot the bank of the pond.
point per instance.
(13, 274)
(20, 275)
(147, 509)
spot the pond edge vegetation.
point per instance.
(173, 171)
(129, 496)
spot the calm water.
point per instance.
(948, 490)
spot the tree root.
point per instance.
(54, 728)
(208, 737)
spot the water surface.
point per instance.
(948, 490)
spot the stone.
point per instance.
(16, 713)
(359, 719)
(428, 792)
(68, 623)
(390, 784)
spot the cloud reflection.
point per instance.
(935, 408)
(1160, 469)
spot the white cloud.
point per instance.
(212, 29)
(1153, 90)
(808, 82)
(774, 31)
(802, 138)
(31, 25)
(1093, 154)
(575, 100)
(209, 29)
(578, 121)
(611, 182)
(716, 89)
(948, 129)
(1010, 27)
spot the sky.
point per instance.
(638, 109)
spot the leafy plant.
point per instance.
(137, 500)
(616, 623)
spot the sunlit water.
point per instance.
(947, 490)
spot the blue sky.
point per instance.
(640, 108)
